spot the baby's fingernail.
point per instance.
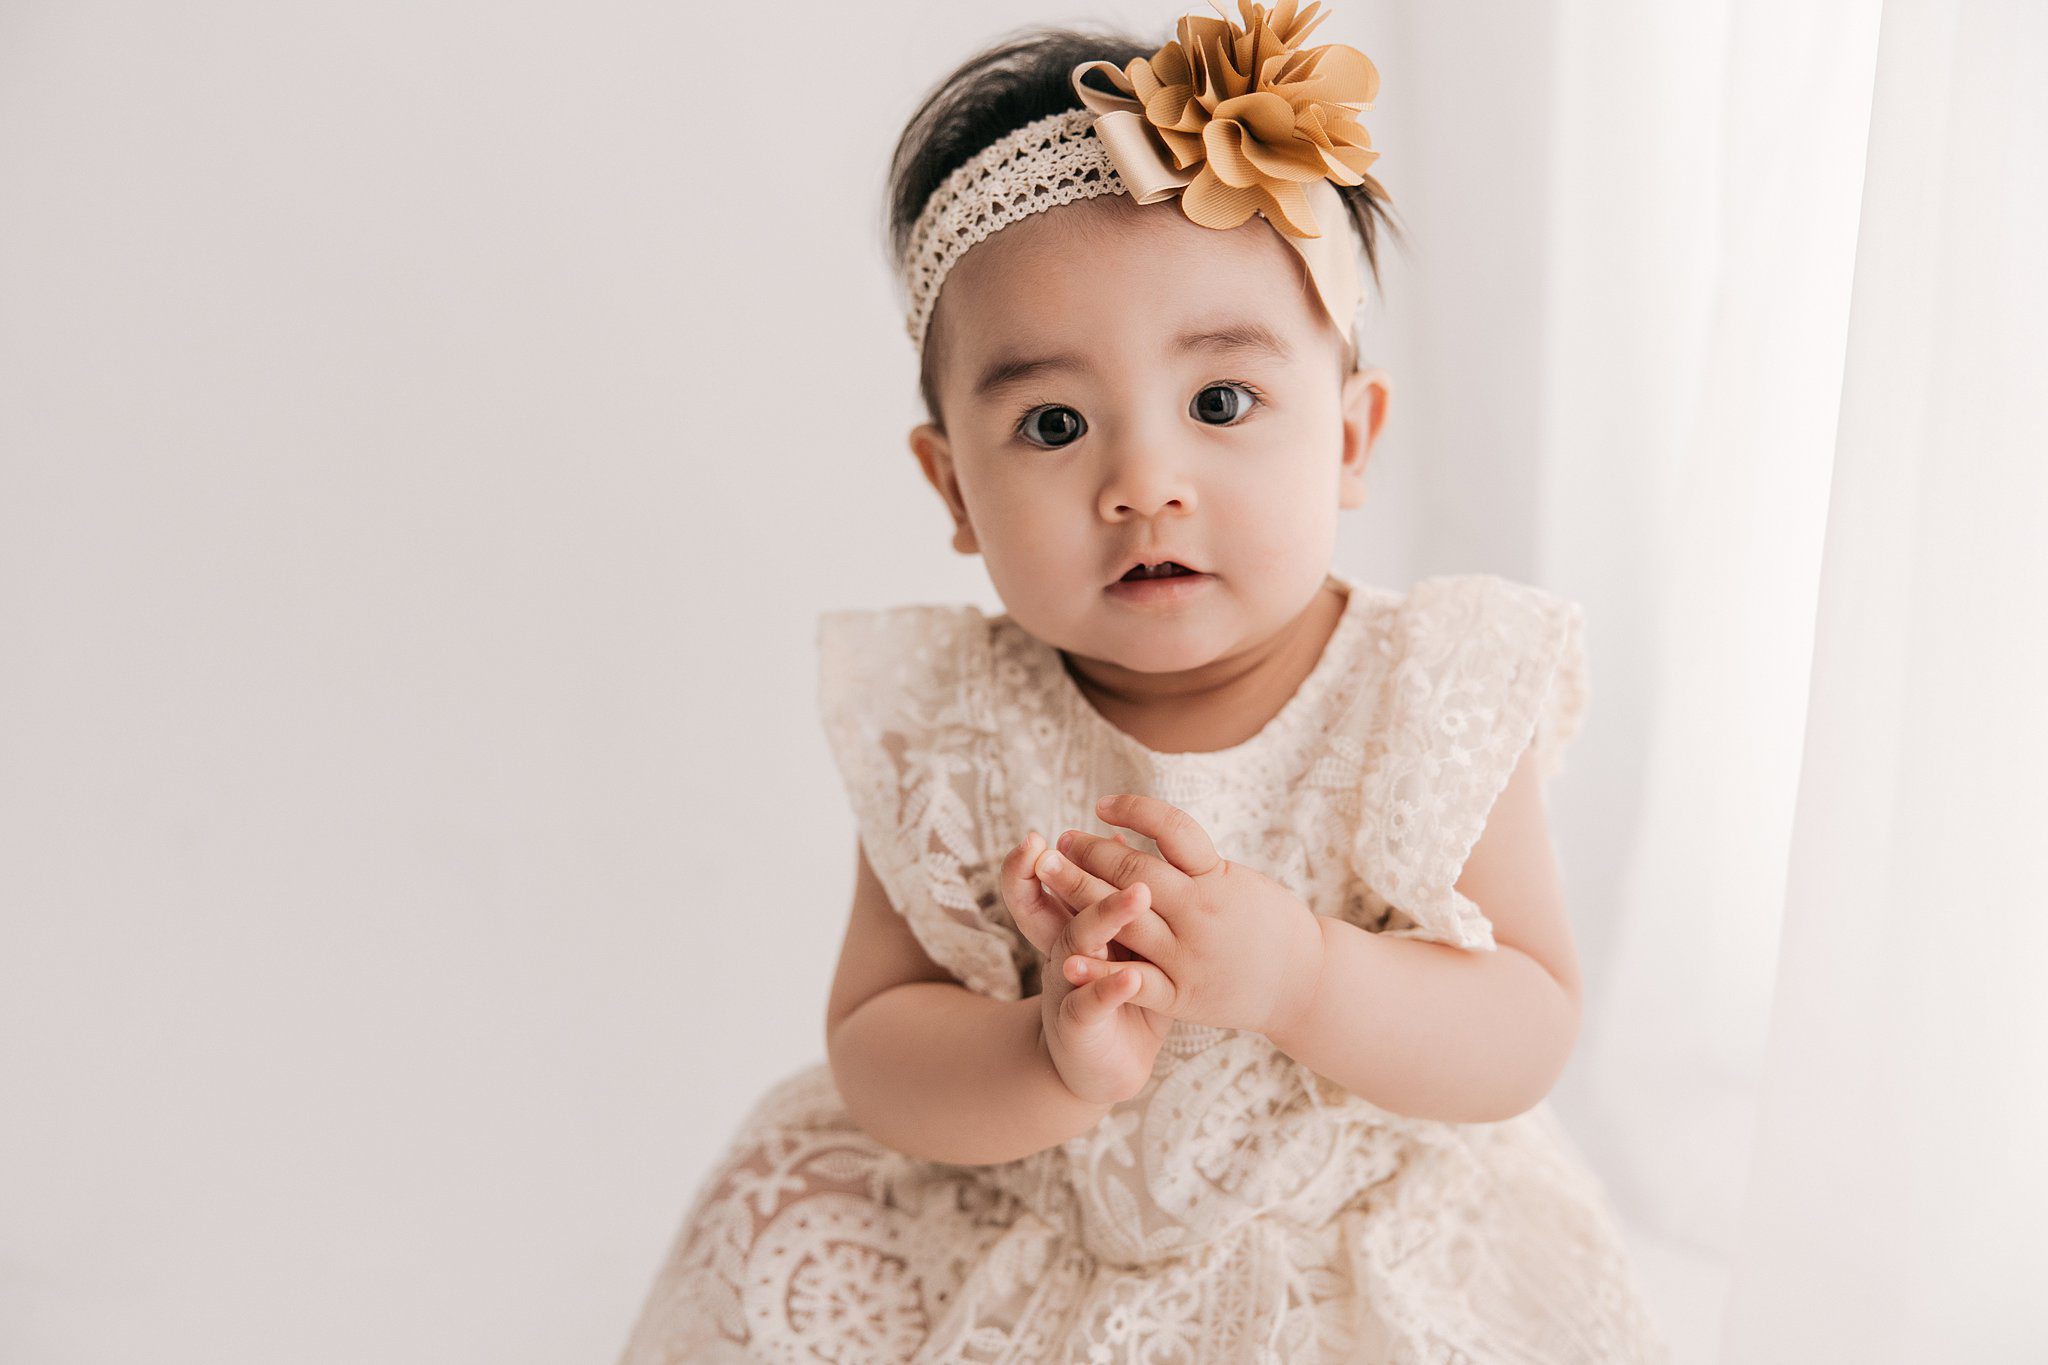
(1050, 863)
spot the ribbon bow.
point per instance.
(1237, 121)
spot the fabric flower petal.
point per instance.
(1257, 112)
(1211, 203)
(1264, 115)
(1240, 120)
(1224, 142)
(1169, 65)
(1336, 74)
(1289, 202)
(1174, 106)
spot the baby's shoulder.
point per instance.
(913, 624)
(924, 662)
(1448, 624)
(1475, 653)
(907, 639)
(1457, 621)
(1476, 597)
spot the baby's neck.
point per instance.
(1242, 700)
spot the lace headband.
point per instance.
(1233, 121)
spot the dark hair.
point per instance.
(1021, 78)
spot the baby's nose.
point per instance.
(1147, 482)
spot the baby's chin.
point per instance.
(1157, 647)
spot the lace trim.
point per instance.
(1485, 668)
(1048, 162)
(904, 696)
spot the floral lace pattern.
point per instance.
(1239, 1208)
(1481, 676)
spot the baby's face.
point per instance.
(1118, 384)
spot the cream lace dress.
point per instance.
(1240, 1209)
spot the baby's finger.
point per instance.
(1090, 930)
(1118, 864)
(1181, 839)
(1146, 933)
(1073, 887)
(1155, 988)
(1126, 921)
(1098, 1001)
(1040, 916)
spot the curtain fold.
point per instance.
(1897, 1208)
(1709, 170)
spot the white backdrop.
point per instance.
(429, 431)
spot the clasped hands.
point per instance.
(1201, 938)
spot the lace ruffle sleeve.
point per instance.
(904, 694)
(1483, 668)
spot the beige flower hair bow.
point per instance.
(1238, 121)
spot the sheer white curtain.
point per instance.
(1795, 309)
(1898, 1206)
(1707, 165)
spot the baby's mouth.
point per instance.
(1166, 570)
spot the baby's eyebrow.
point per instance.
(1241, 336)
(1005, 371)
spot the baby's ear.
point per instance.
(1364, 402)
(935, 456)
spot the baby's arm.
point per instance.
(930, 1068)
(936, 1071)
(1434, 1031)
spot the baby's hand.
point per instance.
(1102, 1046)
(1225, 946)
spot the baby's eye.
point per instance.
(1223, 404)
(1065, 429)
